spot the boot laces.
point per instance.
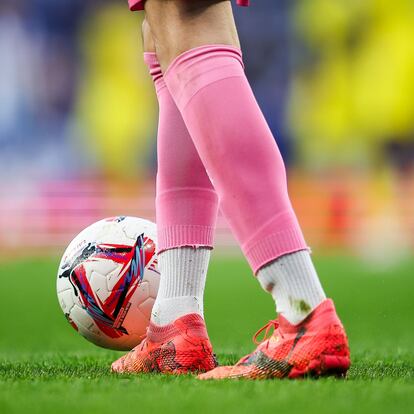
(267, 328)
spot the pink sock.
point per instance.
(238, 150)
(186, 201)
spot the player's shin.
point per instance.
(238, 150)
(294, 285)
(186, 207)
(240, 153)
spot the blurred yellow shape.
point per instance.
(116, 106)
(357, 91)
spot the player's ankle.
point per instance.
(294, 284)
(168, 310)
(183, 276)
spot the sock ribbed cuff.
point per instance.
(151, 60)
(274, 246)
(185, 235)
(186, 217)
(196, 68)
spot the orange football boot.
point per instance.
(178, 348)
(317, 346)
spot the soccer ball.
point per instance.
(108, 280)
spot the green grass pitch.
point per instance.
(46, 367)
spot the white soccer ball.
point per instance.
(108, 280)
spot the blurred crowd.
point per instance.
(335, 80)
(76, 99)
(71, 99)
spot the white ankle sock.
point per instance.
(294, 284)
(183, 278)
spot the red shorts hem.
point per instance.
(135, 5)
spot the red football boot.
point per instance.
(318, 346)
(178, 348)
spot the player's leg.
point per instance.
(180, 25)
(186, 206)
(235, 144)
(197, 42)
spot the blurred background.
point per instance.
(78, 118)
